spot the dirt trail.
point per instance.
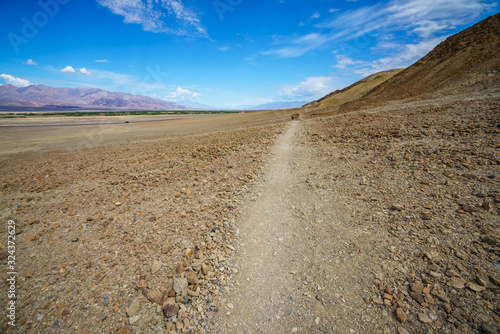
(266, 285)
(298, 267)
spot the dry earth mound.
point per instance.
(354, 91)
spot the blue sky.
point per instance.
(223, 53)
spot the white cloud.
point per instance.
(418, 19)
(298, 46)
(315, 16)
(310, 89)
(84, 71)
(224, 48)
(68, 69)
(333, 10)
(183, 94)
(102, 61)
(18, 82)
(30, 62)
(152, 14)
(344, 62)
(403, 56)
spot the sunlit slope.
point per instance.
(355, 90)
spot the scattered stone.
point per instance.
(378, 301)
(424, 318)
(417, 287)
(134, 319)
(155, 296)
(156, 267)
(133, 308)
(417, 296)
(180, 285)
(82, 331)
(457, 283)
(476, 287)
(401, 315)
(171, 310)
(123, 330)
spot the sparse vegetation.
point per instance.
(119, 113)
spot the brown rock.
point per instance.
(192, 278)
(387, 296)
(417, 287)
(424, 318)
(155, 296)
(476, 287)
(494, 280)
(171, 310)
(82, 331)
(180, 285)
(401, 315)
(156, 266)
(378, 301)
(189, 253)
(417, 296)
(142, 284)
(123, 330)
(457, 283)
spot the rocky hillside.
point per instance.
(467, 61)
(354, 91)
(40, 96)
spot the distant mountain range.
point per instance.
(40, 97)
(279, 105)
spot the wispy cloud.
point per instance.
(405, 55)
(299, 45)
(309, 89)
(18, 82)
(158, 16)
(117, 78)
(424, 19)
(102, 61)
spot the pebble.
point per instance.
(180, 284)
(134, 319)
(476, 287)
(457, 283)
(156, 266)
(417, 287)
(171, 310)
(401, 315)
(133, 308)
(417, 296)
(424, 318)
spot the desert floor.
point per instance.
(376, 221)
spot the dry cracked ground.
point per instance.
(380, 221)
